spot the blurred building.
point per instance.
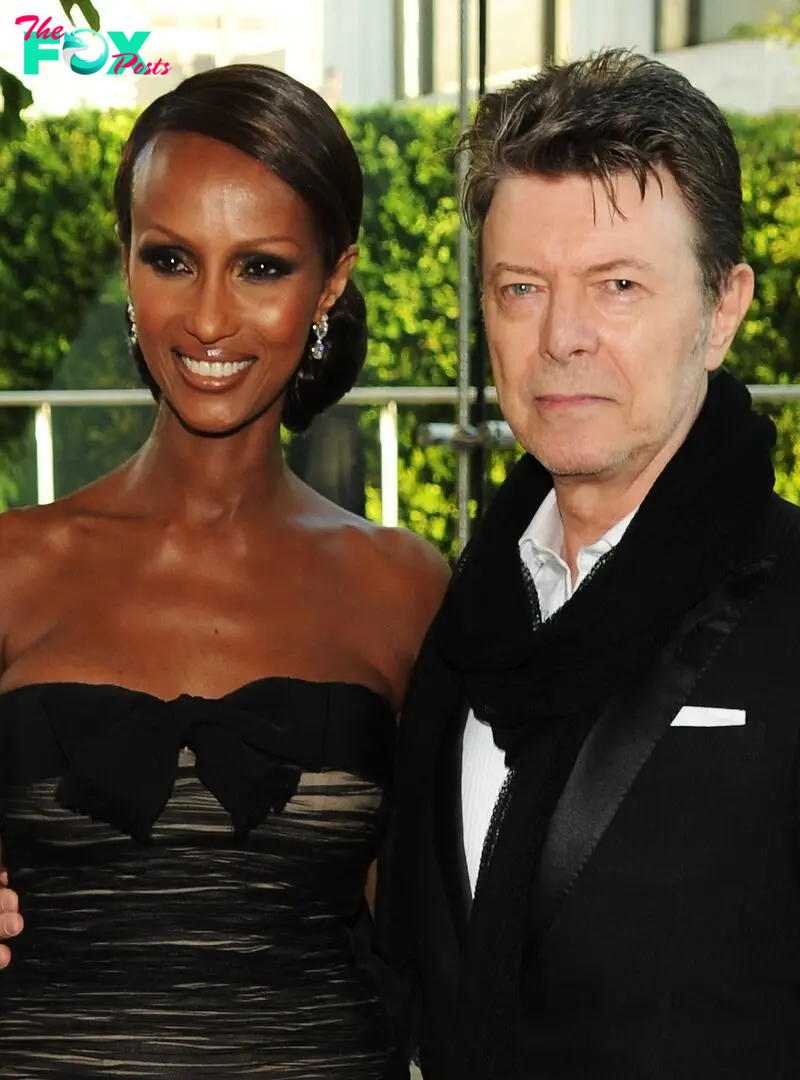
(201, 34)
(345, 49)
(694, 36)
(366, 52)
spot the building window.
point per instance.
(521, 35)
(676, 24)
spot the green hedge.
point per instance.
(409, 269)
(60, 320)
(767, 348)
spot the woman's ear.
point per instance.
(337, 282)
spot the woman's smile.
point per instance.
(221, 371)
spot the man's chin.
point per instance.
(577, 469)
(575, 462)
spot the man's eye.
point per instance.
(519, 288)
(622, 285)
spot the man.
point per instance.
(596, 856)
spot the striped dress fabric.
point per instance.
(228, 936)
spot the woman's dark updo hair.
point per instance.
(294, 132)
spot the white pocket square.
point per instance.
(705, 716)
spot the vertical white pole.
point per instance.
(389, 452)
(463, 418)
(45, 474)
(411, 48)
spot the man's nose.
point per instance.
(567, 329)
(209, 314)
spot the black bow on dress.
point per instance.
(123, 774)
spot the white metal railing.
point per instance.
(461, 437)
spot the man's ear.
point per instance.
(734, 300)
(336, 283)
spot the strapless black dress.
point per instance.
(191, 875)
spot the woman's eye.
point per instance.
(263, 267)
(164, 260)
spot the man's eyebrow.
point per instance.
(512, 268)
(620, 264)
(598, 268)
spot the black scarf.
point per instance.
(542, 685)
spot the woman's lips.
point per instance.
(216, 374)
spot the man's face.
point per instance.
(599, 331)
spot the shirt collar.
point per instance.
(544, 537)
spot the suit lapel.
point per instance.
(448, 822)
(625, 736)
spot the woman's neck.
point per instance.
(200, 480)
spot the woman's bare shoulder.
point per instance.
(33, 542)
(402, 570)
(392, 557)
(23, 531)
(392, 568)
(30, 541)
(45, 531)
(410, 558)
(26, 527)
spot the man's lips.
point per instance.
(556, 401)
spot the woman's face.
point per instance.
(226, 277)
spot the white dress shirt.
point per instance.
(483, 767)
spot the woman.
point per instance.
(202, 658)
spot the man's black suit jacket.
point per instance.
(667, 901)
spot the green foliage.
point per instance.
(61, 316)
(16, 97)
(90, 440)
(57, 247)
(767, 348)
(86, 8)
(408, 270)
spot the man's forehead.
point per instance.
(575, 216)
(619, 194)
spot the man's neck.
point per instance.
(591, 505)
(587, 515)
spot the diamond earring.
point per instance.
(133, 334)
(321, 330)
